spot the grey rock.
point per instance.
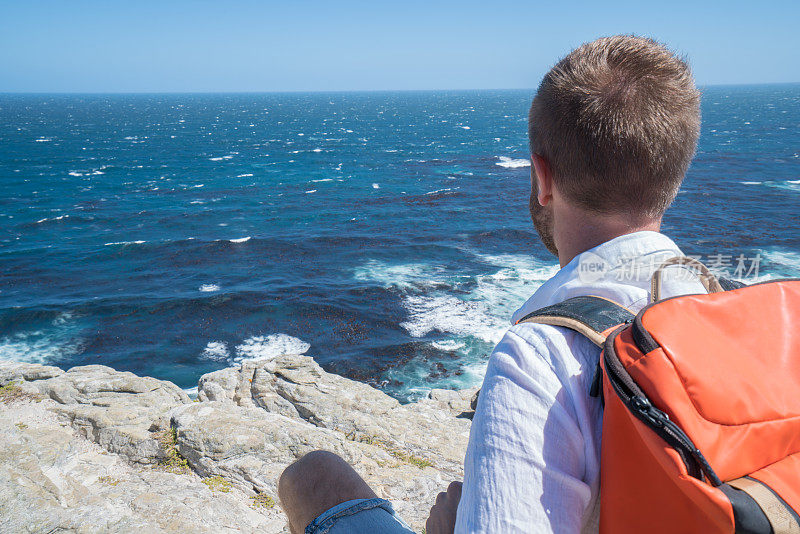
(82, 459)
(18, 371)
(52, 479)
(117, 410)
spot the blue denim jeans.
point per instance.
(359, 516)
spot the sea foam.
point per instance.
(50, 219)
(788, 185)
(265, 347)
(49, 344)
(125, 243)
(779, 263)
(216, 351)
(399, 276)
(465, 314)
(511, 163)
(207, 288)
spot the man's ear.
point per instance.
(540, 172)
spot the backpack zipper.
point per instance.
(638, 403)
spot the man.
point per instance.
(612, 130)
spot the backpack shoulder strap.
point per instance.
(712, 283)
(593, 317)
(782, 518)
(729, 284)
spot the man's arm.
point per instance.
(527, 456)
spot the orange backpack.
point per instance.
(701, 424)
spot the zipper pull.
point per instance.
(653, 415)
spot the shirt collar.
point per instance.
(612, 256)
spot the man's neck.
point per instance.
(580, 231)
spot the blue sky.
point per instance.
(299, 45)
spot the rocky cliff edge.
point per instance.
(92, 449)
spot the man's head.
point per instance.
(614, 124)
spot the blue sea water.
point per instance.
(385, 234)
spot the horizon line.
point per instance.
(336, 91)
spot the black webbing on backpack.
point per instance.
(590, 317)
(728, 284)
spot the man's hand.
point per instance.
(443, 514)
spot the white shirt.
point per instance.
(533, 459)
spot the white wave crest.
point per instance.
(403, 276)
(265, 347)
(49, 219)
(209, 288)
(125, 243)
(47, 345)
(441, 190)
(788, 185)
(216, 351)
(508, 288)
(448, 344)
(464, 313)
(776, 263)
(241, 239)
(450, 315)
(511, 163)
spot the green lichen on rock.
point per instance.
(174, 462)
(217, 483)
(11, 392)
(262, 500)
(109, 481)
(403, 456)
(21, 426)
(399, 454)
(363, 438)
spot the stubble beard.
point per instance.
(542, 217)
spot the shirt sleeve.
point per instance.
(526, 459)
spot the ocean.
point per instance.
(386, 234)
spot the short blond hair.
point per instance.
(618, 120)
